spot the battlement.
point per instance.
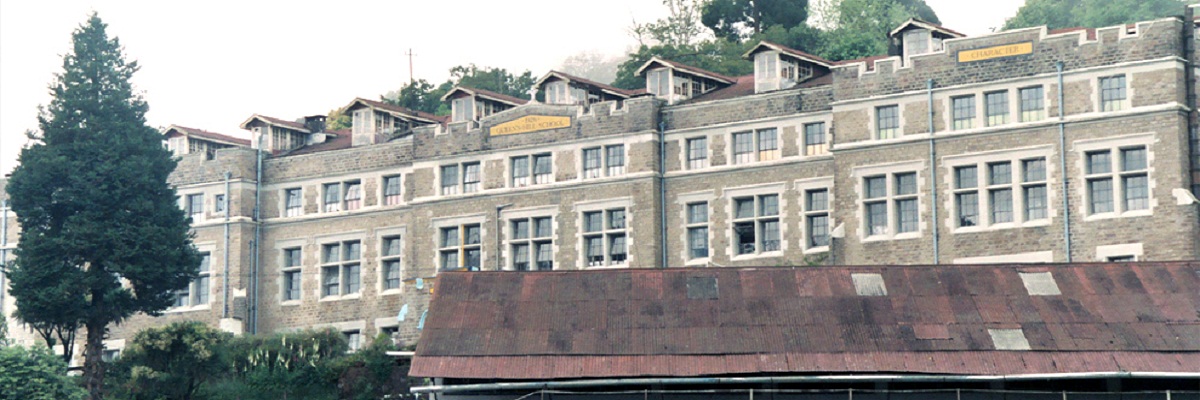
(1009, 54)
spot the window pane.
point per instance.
(330, 281)
(818, 231)
(205, 259)
(617, 251)
(591, 158)
(331, 253)
(353, 278)
(697, 149)
(391, 186)
(906, 184)
(743, 147)
(595, 248)
(450, 259)
(770, 235)
(472, 236)
(1001, 206)
(520, 167)
(744, 235)
(964, 112)
(450, 175)
(520, 229)
(887, 122)
(966, 177)
(542, 227)
(968, 209)
(616, 156)
(353, 251)
(876, 187)
(521, 257)
(908, 215)
(1101, 195)
(202, 289)
(391, 246)
(542, 164)
(1035, 203)
(770, 205)
(391, 274)
(470, 173)
(291, 257)
(291, 284)
(545, 256)
(698, 242)
(1099, 162)
(450, 237)
(616, 219)
(472, 259)
(814, 133)
(593, 221)
(997, 108)
(877, 221)
(767, 140)
(1137, 193)
(743, 208)
(1035, 170)
(697, 213)
(1000, 173)
(1133, 159)
(818, 200)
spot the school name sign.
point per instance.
(988, 53)
(532, 123)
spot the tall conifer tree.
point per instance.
(102, 235)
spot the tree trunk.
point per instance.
(93, 364)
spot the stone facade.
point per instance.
(658, 176)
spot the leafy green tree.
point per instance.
(860, 27)
(423, 96)
(736, 19)
(681, 27)
(172, 361)
(87, 195)
(35, 374)
(418, 95)
(1057, 14)
(336, 120)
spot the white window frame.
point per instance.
(383, 257)
(531, 241)
(819, 148)
(195, 211)
(730, 197)
(1032, 115)
(683, 200)
(691, 224)
(531, 177)
(1114, 145)
(460, 247)
(194, 294)
(343, 191)
(1113, 105)
(967, 122)
(606, 234)
(757, 153)
(605, 169)
(804, 187)
(1017, 184)
(286, 270)
(890, 172)
(392, 199)
(342, 264)
(880, 133)
(285, 210)
(462, 186)
(1107, 253)
(691, 162)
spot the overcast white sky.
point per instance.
(211, 64)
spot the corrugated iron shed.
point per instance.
(1135, 317)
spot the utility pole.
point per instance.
(410, 55)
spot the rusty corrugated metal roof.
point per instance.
(934, 319)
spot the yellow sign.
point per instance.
(532, 123)
(988, 53)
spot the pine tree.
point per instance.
(102, 236)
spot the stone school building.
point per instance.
(1021, 146)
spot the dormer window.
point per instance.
(777, 67)
(556, 93)
(362, 121)
(462, 109)
(916, 41)
(658, 82)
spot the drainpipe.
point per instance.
(933, 175)
(662, 183)
(257, 237)
(225, 277)
(1062, 161)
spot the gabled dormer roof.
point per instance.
(687, 69)
(916, 23)
(622, 93)
(205, 135)
(408, 113)
(765, 45)
(274, 122)
(487, 94)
